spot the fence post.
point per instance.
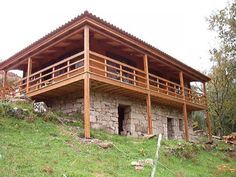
(156, 156)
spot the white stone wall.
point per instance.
(104, 114)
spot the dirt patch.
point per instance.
(47, 169)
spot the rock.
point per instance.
(19, 113)
(105, 145)
(40, 107)
(16, 112)
(149, 162)
(149, 136)
(139, 167)
(134, 163)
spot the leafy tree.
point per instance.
(222, 87)
(199, 123)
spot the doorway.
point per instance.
(170, 128)
(123, 117)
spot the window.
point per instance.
(180, 124)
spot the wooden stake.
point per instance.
(156, 156)
(208, 120)
(29, 70)
(86, 84)
(186, 133)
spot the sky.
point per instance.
(178, 28)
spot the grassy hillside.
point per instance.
(34, 147)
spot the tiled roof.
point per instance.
(90, 15)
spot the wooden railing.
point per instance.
(108, 68)
(60, 71)
(115, 70)
(20, 86)
(195, 97)
(164, 86)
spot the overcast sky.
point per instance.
(179, 28)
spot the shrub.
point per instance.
(185, 150)
(50, 116)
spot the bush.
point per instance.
(50, 116)
(185, 150)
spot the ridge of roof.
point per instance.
(88, 14)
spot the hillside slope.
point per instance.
(33, 147)
(11, 78)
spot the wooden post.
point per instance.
(186, 133)
(146, 70)
(149, 113)
(208, 120)
(4, 83)
(29, 70)
(86, 49)
(148, 97)
(185, 122)
(86, 84)
(87, 106)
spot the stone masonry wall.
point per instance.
(104, 114)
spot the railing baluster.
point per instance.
(134, 71)
(105, 67)
(175, 90)
(167, 88)
(68, 68)
(53, 74)
(40, 80)
(190, 95)
(121, 73)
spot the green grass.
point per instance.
(44, 148)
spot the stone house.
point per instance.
(118, 82)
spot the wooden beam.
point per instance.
(186, 133)
(29, 70)
(208, 120)
(149, 113)
(86, 84)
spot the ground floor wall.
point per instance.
(106, 111)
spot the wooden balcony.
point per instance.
(109, 71)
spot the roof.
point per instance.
(87, 15)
